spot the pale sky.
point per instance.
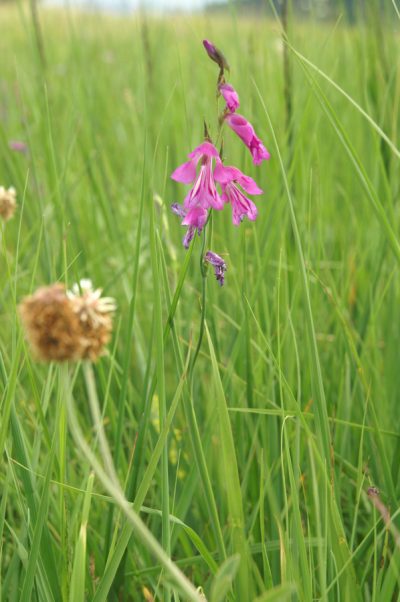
(134, 4)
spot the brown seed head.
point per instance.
(68, 325)
(8, 203)
(52, 327)
(95, 317)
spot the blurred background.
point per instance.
(320, 9)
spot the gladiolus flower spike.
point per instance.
(205, 171)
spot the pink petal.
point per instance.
(226, 173)
(196, 217)
(205, 148)
(185, 173)
(258, 151)
(249, 185)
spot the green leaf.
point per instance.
(222, 581)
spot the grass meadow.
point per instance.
(269, 470)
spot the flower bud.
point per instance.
(216, 55)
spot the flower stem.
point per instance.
(190, 412)
(203, 271)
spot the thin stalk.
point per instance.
(62, 438)
(203, 271)
(114, 489)
(190, 413)
(98, 420)
(38, 33)
(162, 404)
(287, 75)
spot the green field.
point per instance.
(251, 468)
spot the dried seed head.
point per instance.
(52, 327)
(69, 325)
(95, 317)
(8, 202)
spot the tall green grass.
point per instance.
(252, 469)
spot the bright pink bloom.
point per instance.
(228, 177)
(246, 132)
(230, 95)
(204, 193)
(203, 196)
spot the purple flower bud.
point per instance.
(216, 55)
(187, 239)
(178, 209)
(194, 219)
(210, 49)
(230, 95)
(218, 264)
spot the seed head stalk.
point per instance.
(107, 475)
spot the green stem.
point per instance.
(191, 413)
(203, 271)
(114, 489)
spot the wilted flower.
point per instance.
(228, 177)
(230, 96)
(8, 202)
(195, 219)
(218, 264)
(216, 55)
(246, 132)
(69, 325)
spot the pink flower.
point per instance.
(246, 132)
(230, 95)
(228, 177)
(204, 193)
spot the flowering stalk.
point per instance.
(204, 196)
(205, 172)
